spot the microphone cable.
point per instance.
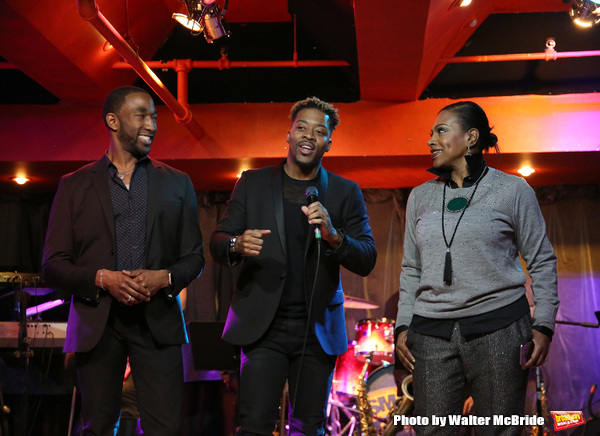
(310, 304)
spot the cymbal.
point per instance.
(358, 303)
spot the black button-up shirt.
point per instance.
(130, 211)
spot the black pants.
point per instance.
(157, 372)
(265, 367)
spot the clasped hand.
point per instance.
(133, 287)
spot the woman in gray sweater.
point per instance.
(463, 314)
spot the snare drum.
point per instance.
(377, 336)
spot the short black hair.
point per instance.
(317, 103)
(116, 99)
(472, 116)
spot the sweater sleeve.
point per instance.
(410, 276)
(536, 250)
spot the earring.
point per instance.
(469, 150)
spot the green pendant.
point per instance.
(457, 204)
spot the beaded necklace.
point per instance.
(464, 204)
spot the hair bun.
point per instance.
(491, 142)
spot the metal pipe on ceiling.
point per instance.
(224, 63)
(89, 11)
(552, 55)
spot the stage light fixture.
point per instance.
(204, 16)
(20, 180)
(188, 22)
(585, 13)
(526, 171)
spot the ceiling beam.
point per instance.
(380, 144)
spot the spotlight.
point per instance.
(204, 16)
(585, 13)
(188, 22)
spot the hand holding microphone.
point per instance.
(312, 196)
(319, 218)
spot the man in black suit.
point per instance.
(124, 239)
(287, 311)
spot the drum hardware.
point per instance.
(334, 426)
(375, 336)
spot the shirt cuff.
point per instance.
(544, 330)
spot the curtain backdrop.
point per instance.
(572, 216)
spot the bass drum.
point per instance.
(381, 392)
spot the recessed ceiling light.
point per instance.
(526, 171)
(21, 180)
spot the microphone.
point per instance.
(312, 195)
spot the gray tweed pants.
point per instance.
(485, 367)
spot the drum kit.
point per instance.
(374, 339)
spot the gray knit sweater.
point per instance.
(503, 220)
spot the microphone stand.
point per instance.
(583, 324)
(21, 302)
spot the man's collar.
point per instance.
(109, 163)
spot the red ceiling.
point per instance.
(399, 44)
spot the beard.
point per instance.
(304, 164)
(308, 166)
(131, 145)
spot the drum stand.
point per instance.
(334, 427)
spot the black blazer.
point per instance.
(81, 239)
(257, 203)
